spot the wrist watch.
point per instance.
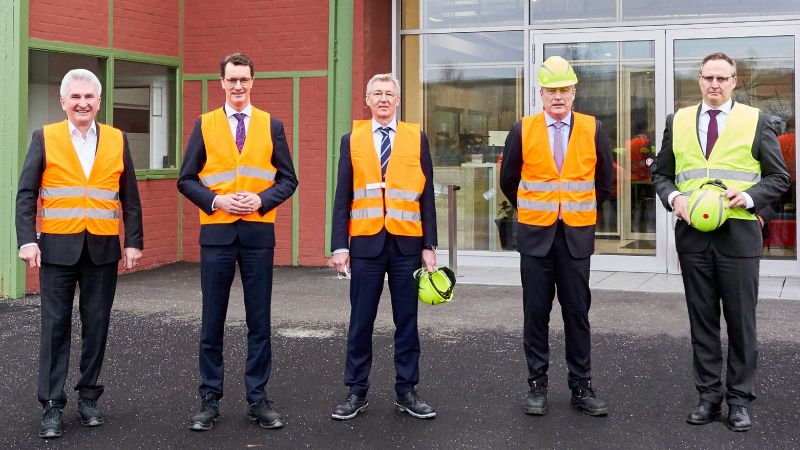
(429, 247)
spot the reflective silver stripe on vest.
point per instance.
(737, 175)
(366, 193)
(63, 213)
(579, 206)
(366, 213)
(577, 185)
(691, 174)
(552, 186)
(256, 172)
(541, 186)
(103, 194)
(93, 213)
(399, 214)
(62, 192)
(402, 194)
(210, 180)
(537, 206)
(79, 213)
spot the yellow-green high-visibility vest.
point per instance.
(731, 161)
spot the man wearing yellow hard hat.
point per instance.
(556, 170)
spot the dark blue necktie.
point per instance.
(386, 150)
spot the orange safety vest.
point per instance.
(71, 203)
(542, 190)
(394, 204)
(228, 171)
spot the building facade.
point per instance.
(466, 69)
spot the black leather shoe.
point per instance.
(585, 399)
(705, 413)
(738, 418)
(262, 412)
(203, 420)
(87, 410)
(351, 406)
(412, 404)
(51, 426)
(536, 403)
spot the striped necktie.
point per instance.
(386, 150)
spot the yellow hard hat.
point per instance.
(557, 72)
(708, 209)
(435, 287)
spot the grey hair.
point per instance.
(383, 77)
(80, 75)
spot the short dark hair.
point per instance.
(237, 59)
(720, 56)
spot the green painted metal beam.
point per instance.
(261, 75)
(340, 91)
(296, 160)
(103, 52)
(13, 136)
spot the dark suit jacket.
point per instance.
(66, 249)
(369, 246)
(738, 238)
(536, 240)
(250, 234)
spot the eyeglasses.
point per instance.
(231, 82)
(720, 80)
(377, 95)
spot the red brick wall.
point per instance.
(313, 169)
(147, 26)
(278, 35)
(75, 21)
(372, 48)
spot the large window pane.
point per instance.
(616, 84)
(431, 14)
(673, 9)
(467, 91)
(556, 11)
(144, 108)
(765, 80)
(45, 72)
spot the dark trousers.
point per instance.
(217, 269)
(540, 278)
(366, 286)
(708, 277)
(97, 286)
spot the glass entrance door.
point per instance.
(620, 81)
(767, 63)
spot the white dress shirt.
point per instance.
(85, 146)
(702, 131)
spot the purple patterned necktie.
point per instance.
(240, 130)
(713, 131)
(558, 146)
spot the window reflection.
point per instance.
(467, 91)
(432, 14)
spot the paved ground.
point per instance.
(472, 371)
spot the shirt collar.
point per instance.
(392, 124)
(549, 120)
(247, 111)
(725, 108)
(73, 130)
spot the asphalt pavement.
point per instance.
(472, 371)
